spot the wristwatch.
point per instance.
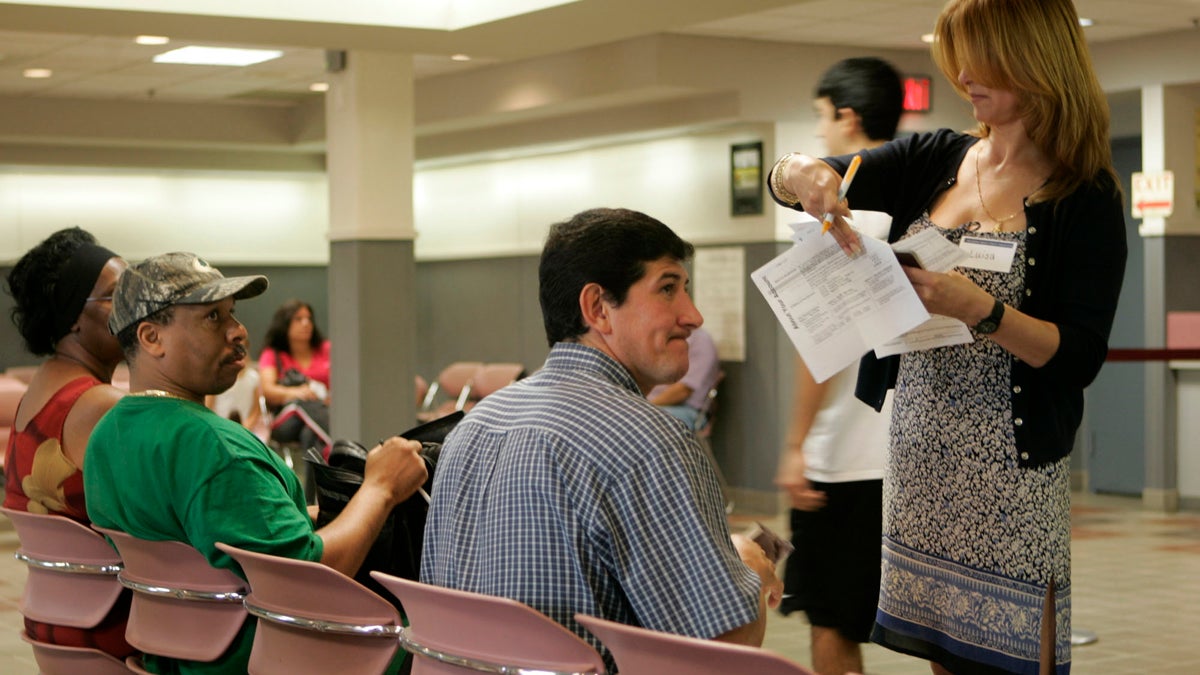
(992, 321)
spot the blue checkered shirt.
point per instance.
(570, 492)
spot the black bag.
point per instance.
(303, 422)
(291, 378)
(397, 549)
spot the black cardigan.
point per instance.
(1075, 253)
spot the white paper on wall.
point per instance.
(719, 287)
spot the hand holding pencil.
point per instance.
(846, 237)
(827, 220)
(806, 182)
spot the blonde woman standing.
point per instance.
(976, 546)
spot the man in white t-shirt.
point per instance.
(832, 466)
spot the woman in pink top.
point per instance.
(294, 343)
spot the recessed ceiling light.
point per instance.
(217, 56)
(1085, 22)
(927, 38)
(460, 57)
(38, 73)
(319, 86)
(152, 39)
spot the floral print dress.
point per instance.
(972, 540)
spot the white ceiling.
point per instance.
(106, 64)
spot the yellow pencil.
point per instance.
(841, 195)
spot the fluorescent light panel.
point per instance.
(424, 14)
(217, 56)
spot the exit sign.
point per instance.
(916, 94)
(1153, 194)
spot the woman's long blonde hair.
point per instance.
(1036, 49)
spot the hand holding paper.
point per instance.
(835, 308)
(777, 548)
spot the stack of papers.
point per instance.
(835, 308)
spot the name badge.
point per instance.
(993, 255)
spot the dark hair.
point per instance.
(127, 337)
(870, 87)
(32, 283)
(277, 332)
(609, 247)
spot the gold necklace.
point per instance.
(979, 189)
(159, 393)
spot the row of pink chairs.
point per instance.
(461, 384)
(313, 619)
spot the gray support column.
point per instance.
(1161, 491)
(372, 298)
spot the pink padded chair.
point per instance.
(492, 377)
(639, 651)
(420, 390)
(455, 632)
(453, 385)
(313, 619)
(72, 571)
(72, 581)
(183, 608)
(23, 373)
(120, 376)
(61, 660)
(11, 391)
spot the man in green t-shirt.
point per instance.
(161, 466)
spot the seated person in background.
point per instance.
(161, 466)
(686, 398)
(62, 290)
(294, 342)
(568, 490)
(242, 402)
(294, 368)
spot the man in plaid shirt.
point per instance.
(568, 490)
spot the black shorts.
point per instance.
(833, 575)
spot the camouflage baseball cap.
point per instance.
(173, 279)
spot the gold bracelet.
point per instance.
(777, 187)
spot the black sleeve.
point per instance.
(1088, 270)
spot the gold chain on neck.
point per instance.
(979, 189)
(159, 393)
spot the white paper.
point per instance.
(720, 292)
(936, 254)
(933, 251)
(938, 331)
(834, 308)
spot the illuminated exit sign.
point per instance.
(916, 94)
